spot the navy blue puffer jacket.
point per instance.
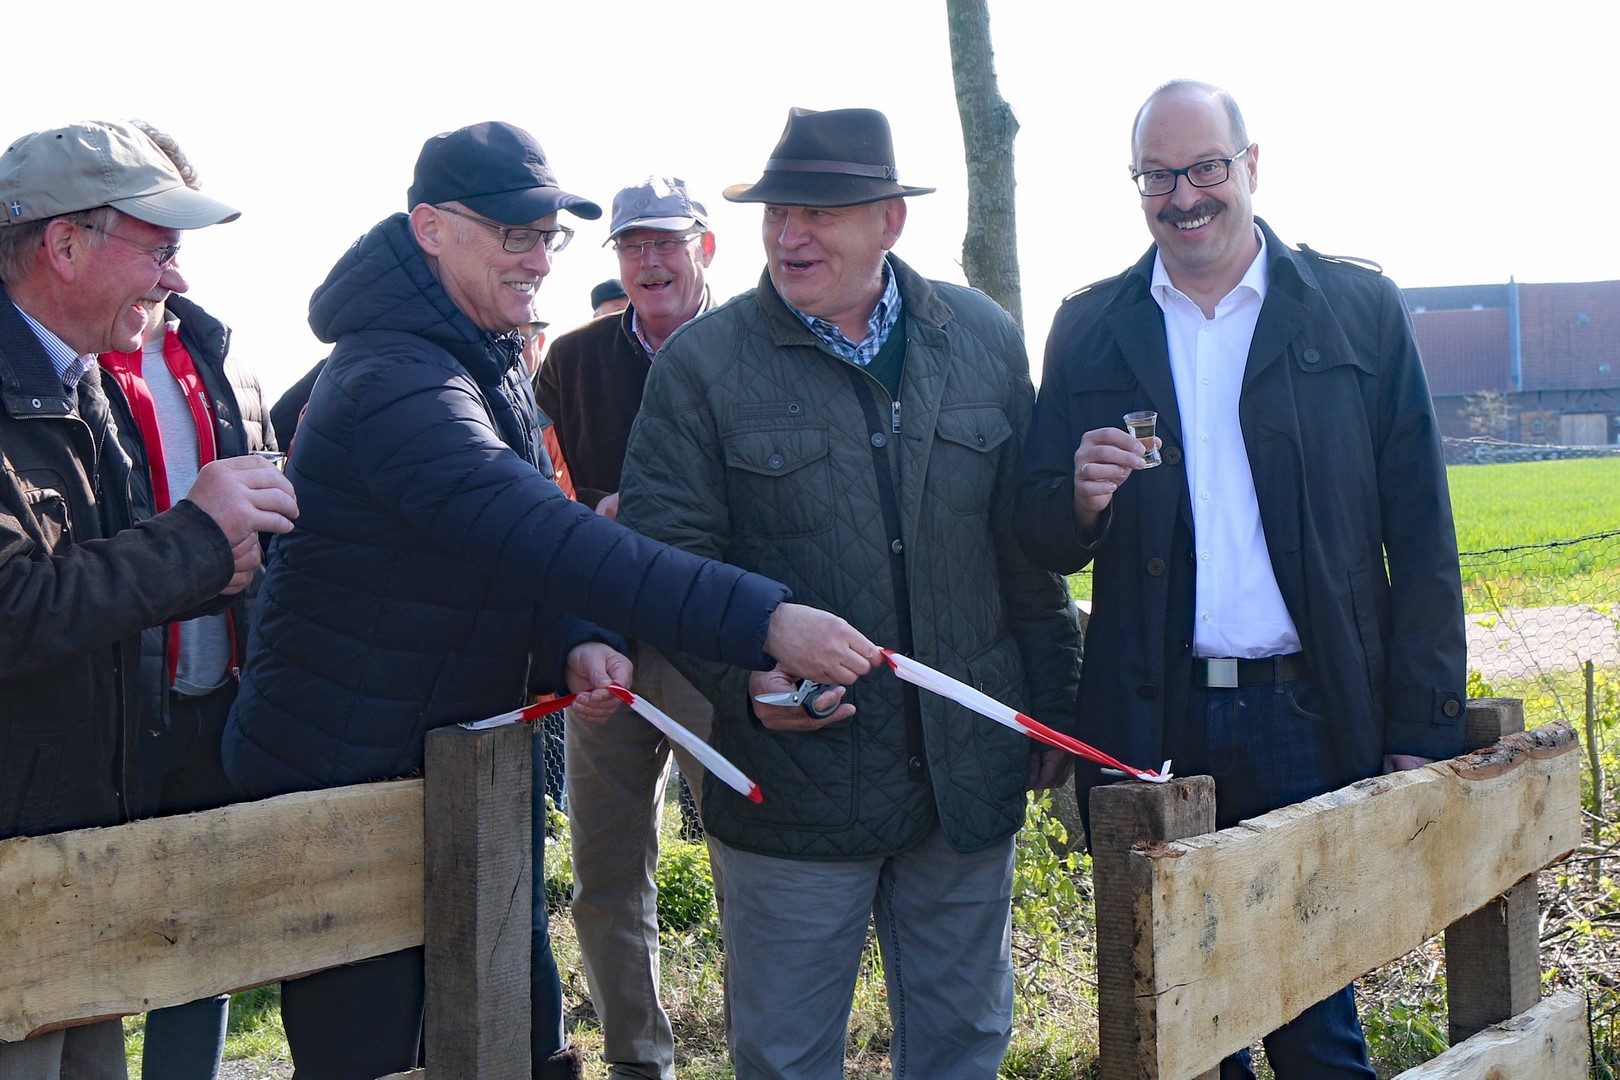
(433, 556)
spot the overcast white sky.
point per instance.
(1453, 142)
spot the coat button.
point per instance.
(879, 439)
(980, 439)
(1171, 455)
(1147, 691)
(1452, 707)
(914, 761)
(793, 408)
(1312, 356)
(897, 547)
(1155, 567)
(34, 403)
(776, 461)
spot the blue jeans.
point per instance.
(186, 1042)
(1267, 746)
(546, 1033)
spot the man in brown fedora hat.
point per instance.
(851, 428)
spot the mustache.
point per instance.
(653, 278)
(1170, 215)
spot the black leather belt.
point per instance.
(1226, 673)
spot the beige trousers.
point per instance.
(616, 772)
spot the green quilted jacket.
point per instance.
(758, 446)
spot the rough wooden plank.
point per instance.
(1351, 879)
(1550, 1040)
(107, 922)
(1493, 957)
(478, 812)
(1124, 816)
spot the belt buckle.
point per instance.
(1221, 673)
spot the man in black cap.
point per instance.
(439, 575)
(91, 219)
(608, 298)
(852, 428)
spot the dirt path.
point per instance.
(1530, 641)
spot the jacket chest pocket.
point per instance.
(965, 459)
(780, 481)
(49, 519)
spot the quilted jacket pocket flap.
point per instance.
(777, 452)
(981, 428)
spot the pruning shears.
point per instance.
(804, 697)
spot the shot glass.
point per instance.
(1144, 425)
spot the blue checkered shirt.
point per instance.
(884, 316)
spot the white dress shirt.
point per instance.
(1238, 609)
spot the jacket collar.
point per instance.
(384, 283)
(28, 382)
(1137, 322)
(919, 304)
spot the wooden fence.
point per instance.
(1209, 940)
(108, 922)
(1206, 940)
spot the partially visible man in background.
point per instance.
(179, 402)
(590, 385)
(608, 298)
(93, 217)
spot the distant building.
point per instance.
(1536, 363)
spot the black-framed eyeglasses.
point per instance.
(666, 245)
(1152, 182)
(162, 254)
(517, 241)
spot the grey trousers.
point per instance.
(616, 772)
(88, 1052)
(794, 934)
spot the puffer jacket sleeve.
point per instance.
(426, 450)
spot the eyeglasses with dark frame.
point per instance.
(518, 241)
(1210, 173)
(664, 245)
(162, 254)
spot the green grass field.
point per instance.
(1521, 506)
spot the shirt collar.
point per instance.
(641, 339)
(70, 366)
(1255, 278)
(884, 317)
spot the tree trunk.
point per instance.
(990, 248)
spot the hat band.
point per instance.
(848, 168)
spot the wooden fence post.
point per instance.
(476, 803)
(1123, 816)
(1493, 958)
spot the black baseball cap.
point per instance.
(495, 169)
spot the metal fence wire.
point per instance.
(1539, 614)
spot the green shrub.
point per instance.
(685, 888)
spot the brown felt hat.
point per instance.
(840, 157)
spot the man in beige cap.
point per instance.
(590, 385)
(91, 217)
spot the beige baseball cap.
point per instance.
(100, 163)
